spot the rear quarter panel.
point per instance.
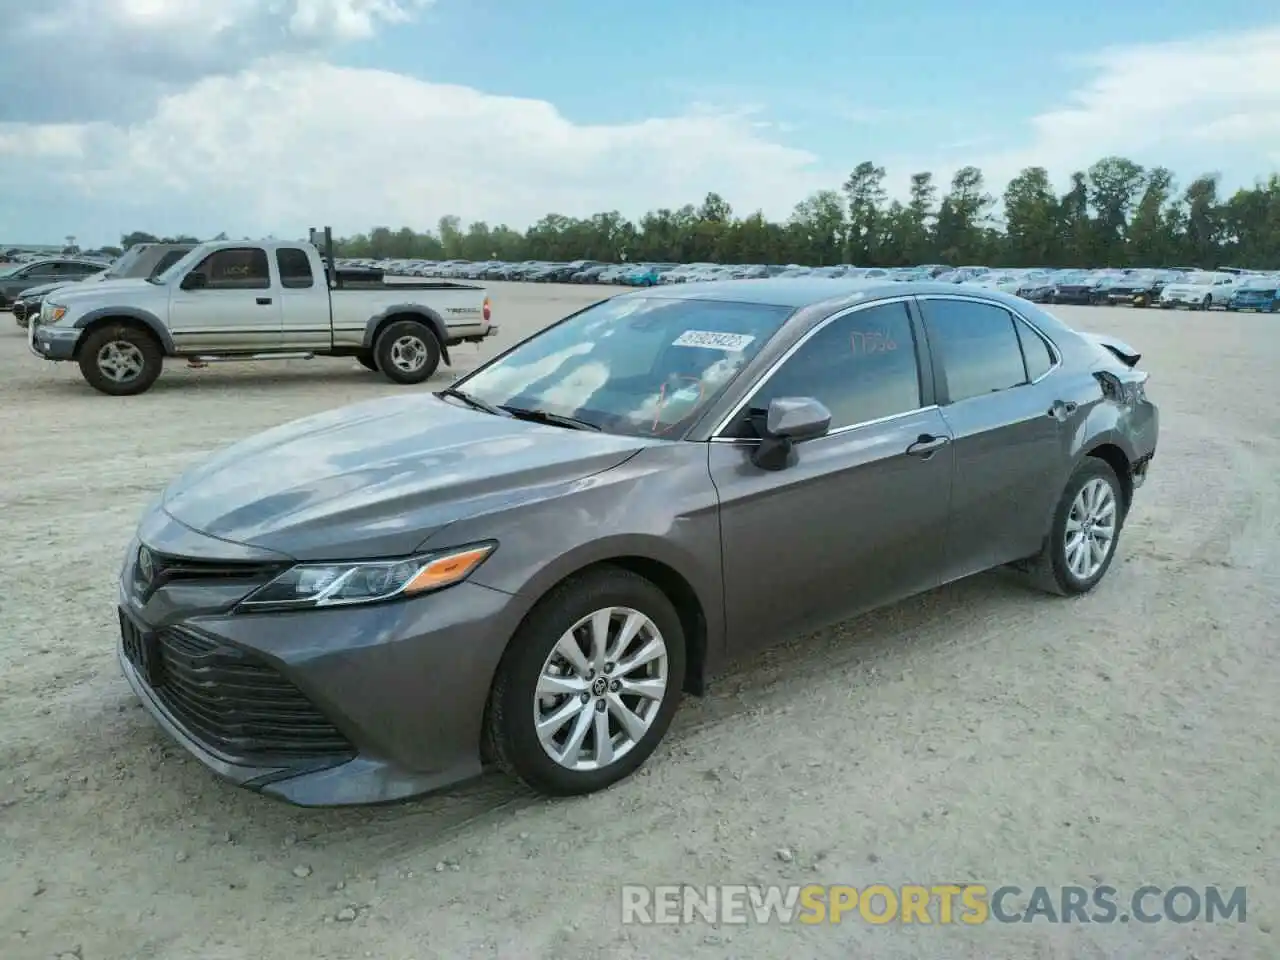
(357, 311)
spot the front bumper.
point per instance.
(362, 704)
(52, 342)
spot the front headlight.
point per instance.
(51, 312)
(367, 581)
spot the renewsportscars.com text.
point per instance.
(968, 904)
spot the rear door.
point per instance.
(996, 390)
(236, 310)
(305, 322)
(859, 518)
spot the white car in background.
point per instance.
(1004, 282)
(1200, 291)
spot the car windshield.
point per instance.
(1200, 279)
(642, 366)
(1260, 283)
(124, 262)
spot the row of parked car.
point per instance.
(1230, 288)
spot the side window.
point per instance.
(977, 346)
(862, 366)
(236, 268)
(167, 261)
(1035, 351)
(83, 269)
(295, 268)
(41, 270)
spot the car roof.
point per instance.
(810, 291)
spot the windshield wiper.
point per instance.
(555, 419)
(473, 402)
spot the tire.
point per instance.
(1207, 302)
(1051, 569)
(367, 361)
(130, 350)
(511, 733)
(407, 352)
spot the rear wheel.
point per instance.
(589, 685)
(1086, 529)
(1207, 302)
(120, 360)
(407, 352)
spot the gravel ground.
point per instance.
(979, 733)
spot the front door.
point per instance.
(859, 518)
(234, 311)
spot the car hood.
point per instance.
(44, 289)
(1187, 287)
(380, 477)
(99, 288)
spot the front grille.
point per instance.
(166, 569)
(237, 705)
(19, 310)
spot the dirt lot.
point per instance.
(980, 733)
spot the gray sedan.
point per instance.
(529, 568)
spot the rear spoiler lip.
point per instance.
(1122, 351)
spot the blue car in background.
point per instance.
(1257, 293)
(643, 274)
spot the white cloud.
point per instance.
(1209, 104)
(112, 59)
(290, 143)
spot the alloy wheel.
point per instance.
(1091, 528)
(120, 361)
(600, 689)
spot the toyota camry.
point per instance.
(528, 569)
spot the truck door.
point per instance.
(304, 302)
(233, 310)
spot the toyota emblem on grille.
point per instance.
(146, 565)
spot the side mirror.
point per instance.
(194, 281)
(788, 421)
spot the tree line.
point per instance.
(1115, 213)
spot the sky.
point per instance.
(265, 117)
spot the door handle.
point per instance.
(264, 301)
(927, 445)
(1062, 409)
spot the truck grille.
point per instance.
(19, 309)
(238, 706)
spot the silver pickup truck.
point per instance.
(232, 301)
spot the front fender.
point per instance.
(152, 322)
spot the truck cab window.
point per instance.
(236, 268)
(295, 268)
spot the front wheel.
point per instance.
(1207, 302)
(1086, 529)
(407, 352)
(589, 684)
(120, 360)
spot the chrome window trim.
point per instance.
(862, 424)
(1054, 352)
(765, 377)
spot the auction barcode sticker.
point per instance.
(732, 342)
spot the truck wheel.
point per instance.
(407, 352)
(367, 361)
(120, 360)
